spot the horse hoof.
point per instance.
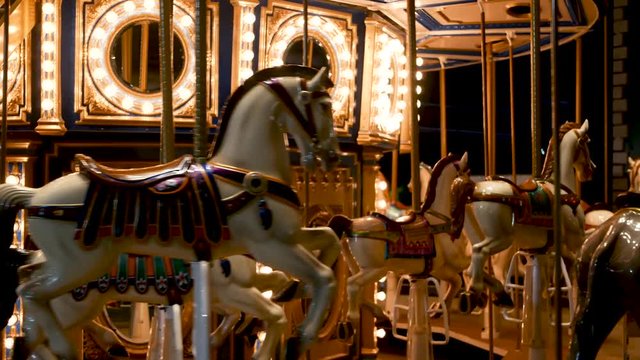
(294, 348)
(118, 351)
(287, 293)
(482, 300)
(346, 330)
(503, 299)
(467, 302)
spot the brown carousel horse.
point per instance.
(240, 201)
(608, 268)
(420, 244)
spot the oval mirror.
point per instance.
(135, 56)
(318, 55)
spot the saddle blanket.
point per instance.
(415, 241)
(141, 272)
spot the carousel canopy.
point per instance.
(449, 31)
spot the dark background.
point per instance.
(464, 113)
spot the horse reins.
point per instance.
(307, 122)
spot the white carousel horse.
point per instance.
(167, 281)
(376, 243)
(83, 221)
(501, 213)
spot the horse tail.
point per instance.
(12, 199)
(339, 224)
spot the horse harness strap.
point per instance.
(307, 122)
(255, 184)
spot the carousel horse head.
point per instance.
(308, 117)
(293, 98)
(574, 146)
(634, 174)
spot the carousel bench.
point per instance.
(137, 176)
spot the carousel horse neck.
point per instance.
(246, 141)
(437, 200)
(425, 177)
(574, 157)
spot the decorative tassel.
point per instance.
(265, 214)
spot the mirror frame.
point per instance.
(102, 99)
(334, 29)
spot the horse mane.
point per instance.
(547, 167)
(260, 76)
(438, 168)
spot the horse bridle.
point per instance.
(307, 122)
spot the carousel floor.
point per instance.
(465, 342)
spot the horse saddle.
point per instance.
(144, 176)
(177, 200)
(410, 237)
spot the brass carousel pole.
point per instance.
(167, 318)
(443, 108)
(514, 170)
(5, 74)
(199, 269)
(3, 136)
(535, 86)
(512, 108)
(557, 231)
(167, 150)
(419, 335)
(579, 95)
(488, 161)
(305, 59)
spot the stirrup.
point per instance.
(565, 291)
(397, 308)
(514, 290)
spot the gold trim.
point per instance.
(101, 99)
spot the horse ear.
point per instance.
(320, 80)
(464, 160)
(583, 129)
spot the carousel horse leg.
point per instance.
(328, 250)
(251, 301)
(593, 323)
(355, 283)
(295, 260)
(106, 339)
(36, 302)
(222, 332)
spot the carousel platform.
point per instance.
(466, 342)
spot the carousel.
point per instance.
(201, 179)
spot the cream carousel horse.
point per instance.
(156, 280)
(420, 244)
(83, 221)
(501, 213)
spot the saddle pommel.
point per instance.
(137, 176)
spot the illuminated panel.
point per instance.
(385, 72)
(50, 122)
(284, 25)
(243, 41)
(15, 175)
(103, 97)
